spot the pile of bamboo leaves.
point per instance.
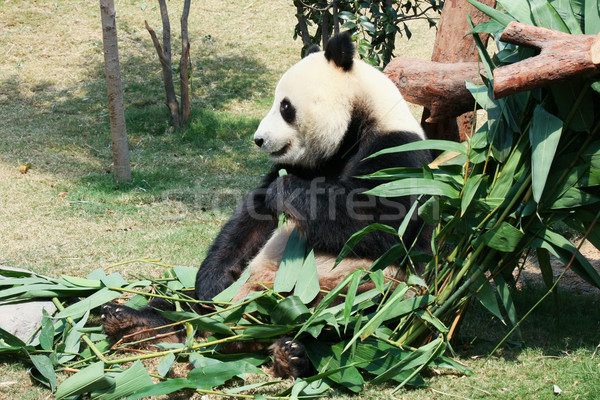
(527, 176)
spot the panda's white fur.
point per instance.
(328, 94)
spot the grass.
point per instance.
(66, 216)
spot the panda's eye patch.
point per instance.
(287, 110)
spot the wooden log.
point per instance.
(562, 56)
(439, 87)
(453, 43)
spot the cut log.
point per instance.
(439, 87)
(562, 56)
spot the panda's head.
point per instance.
(316, 99)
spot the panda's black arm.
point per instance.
(239, 241)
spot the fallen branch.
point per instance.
(562, 56)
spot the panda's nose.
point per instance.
(259, 141)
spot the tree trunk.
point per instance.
(453, 43)
(118, 131)
(164, 55)
(183, 66)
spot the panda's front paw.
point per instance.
(290, 359)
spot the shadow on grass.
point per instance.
(71, 133)
(565, 320)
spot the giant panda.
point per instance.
(330, 112)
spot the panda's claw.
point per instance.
(290, 359)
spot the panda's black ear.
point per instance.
(340, 50)
(312, 49)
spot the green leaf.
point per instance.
(543, 257)
(289, 310)
(469, 191)
(544, 14)
(267, 331)
(357, 237)
(487, 297)
(206, 324)
(97, 299)
(163, 388)
(47, 332)
(166, 364)
(130, 381)
(491, 12)
(332, 295)
(518, 9)
(186, 275)
(414, 187)
(350, 296)
(592, 17)
(561, 248)
(506, 299)
(380, 316)
(544, 136)
(429, 144)
(503, 238)
(308, 287)
(292, 261)
(217, 374)
(432, 320)
(417, 360)
(86, 380)
(45, 368)
(326, 357)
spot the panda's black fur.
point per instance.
(256, 219)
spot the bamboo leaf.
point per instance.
(293, 259)
(487, 297)
(504, 238)
(428, 144)
(130, 381)
(44, 366)
(518, 9)
(496, 15)
(544, 136)
(350, 296)
(289, 310)
(564, 250)
(357, 237)
(416, 361)
(166, 364)
(592, 17)
(326, 357)
(47, 332)
(163, 388)
(308, 287)
(88, 379)
(414, 187)
(506, 299)
(543, 257)
(206, 324)
(544, 14)
(380, 316)
(78, 309)
(469, 191)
